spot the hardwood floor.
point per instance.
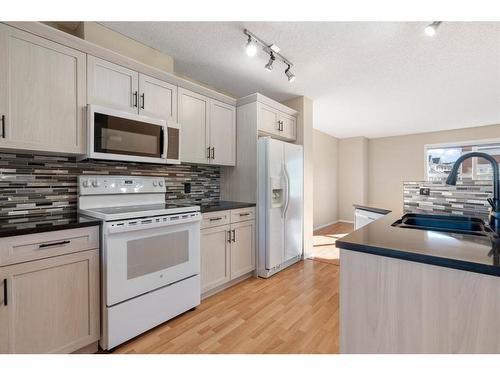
(324, 249)
(295, 311)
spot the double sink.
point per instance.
(451, 224)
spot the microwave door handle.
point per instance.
(163, 143)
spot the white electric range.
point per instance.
(150, 268)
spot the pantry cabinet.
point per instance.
(112, 85)
(42, 94)
(227, 247)
(50, 304)
(208, 129)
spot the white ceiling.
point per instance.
(369, 79)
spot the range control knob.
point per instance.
(160, 183)
(86, 183)
(96, 183)
(155, 183)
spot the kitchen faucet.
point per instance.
(495, 203)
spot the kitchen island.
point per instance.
(418, 291)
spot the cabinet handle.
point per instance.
(215, 218)
(135, 99)
(229, 236)
(44, 245)
(234, 235)
(143, 100)
(3, 126)
(208, 152)
(5, 302)
(245, 214)
(213, 152)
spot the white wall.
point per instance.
(353, 175)
(325, 183)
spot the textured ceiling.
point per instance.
(369, 79)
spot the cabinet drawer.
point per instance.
(28, 247)
(213, 219)
(242, 214)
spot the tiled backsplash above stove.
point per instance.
(467, 198)
(36, 185)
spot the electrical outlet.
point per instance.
(187, 187)
(425, 191)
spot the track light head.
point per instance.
(251, 48)
(289, 74)
(269, 65)
(431, 29)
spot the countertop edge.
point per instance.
(383, 211)
(229, 206)
(49, 228)
(420, 258)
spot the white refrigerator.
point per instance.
(280, 205)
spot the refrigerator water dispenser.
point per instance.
(276, 192)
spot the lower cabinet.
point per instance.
(227, 251)
(50, 305)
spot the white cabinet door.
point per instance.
(242, 248)
(52, 304)
(215, 257)
(268, 119)
(222, 133)
(157, 99)
(288, 126)
(42, 94)
(112, 85)
(193, 113)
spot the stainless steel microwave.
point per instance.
(117, 135)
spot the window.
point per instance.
(439, 160)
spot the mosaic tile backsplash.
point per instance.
(467, 198)
(37, 186)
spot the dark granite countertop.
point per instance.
(458, 251)
(45, 224)
(382, 211)
(222, 205)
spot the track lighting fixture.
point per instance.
(289, 74)
(251, 48)
(269, 65)
(431, 29)
(253, 42)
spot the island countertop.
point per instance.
(458, 251)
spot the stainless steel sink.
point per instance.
(452, 224)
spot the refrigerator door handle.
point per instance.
(287, 180)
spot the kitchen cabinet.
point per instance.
(50, 291)
(42, 94)
(115, 86)
(51, 305)
(227, 247)
(215, 257)
(277, 124)
(208, 129)
(242, 245)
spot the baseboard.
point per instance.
(325, 225)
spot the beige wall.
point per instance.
(325, 183)
(305, 137)
(392, 160)
(353, 175)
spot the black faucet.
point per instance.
(494, 203)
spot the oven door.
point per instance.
(138, 261)
(118, 135)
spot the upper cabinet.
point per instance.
(208, 129)
(42, 94)
(276, 123)
(112, 85)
